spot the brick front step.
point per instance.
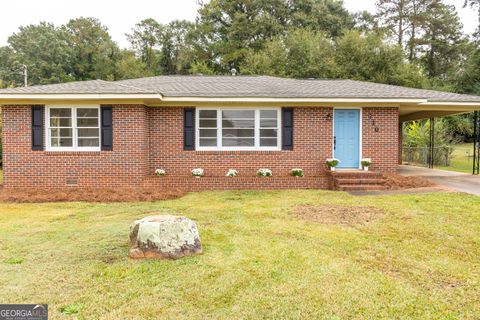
(361, 187)
(349, 181)
(357, 174)
(357, 180)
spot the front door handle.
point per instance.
(334, 143)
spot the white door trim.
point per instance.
(360, 137)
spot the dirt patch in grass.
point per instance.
(337, 214)
(397, 182)
(86, 195)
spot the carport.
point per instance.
(432, 110)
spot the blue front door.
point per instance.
(347, 137)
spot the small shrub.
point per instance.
(160, 172)
(73, 308)
(366, 162)
(297, 172)
(232, 173)
(332, 162)
(264, 173)
(198, 172)
(14, 261)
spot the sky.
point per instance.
(121, 15)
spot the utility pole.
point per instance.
(25, 75)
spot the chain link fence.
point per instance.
(442, 156)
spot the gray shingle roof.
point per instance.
(244, 86)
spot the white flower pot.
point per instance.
(332, 168)
(365, 168)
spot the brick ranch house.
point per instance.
(116, 134)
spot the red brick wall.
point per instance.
(312, 145)
(380, 138)
(146, 138)
(126, 165)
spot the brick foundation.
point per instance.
(146, 138)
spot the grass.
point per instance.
(461, 162)
(418, 260)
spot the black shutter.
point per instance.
(37, 128)
(106, 128)
(287, 128)
(189, 129)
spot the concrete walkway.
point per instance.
(462, 182)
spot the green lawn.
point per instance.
(419, 260)
(461, 162)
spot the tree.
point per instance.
(145, 40)
(128, 66)
(370, 57)
(394, 15)
(232, 29)
(46, 51)
(177, 51)
(94, 50)
(443, 42)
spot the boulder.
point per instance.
(164, 237)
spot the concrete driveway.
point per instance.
(462, 182)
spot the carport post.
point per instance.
(432, 143)
(476, 142)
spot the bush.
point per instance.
(332, 162)
(232, 173)
(264, 173)
(297, 172)
(198, 172)
(160, 172)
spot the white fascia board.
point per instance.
(292, 100)
(79, 96)
(449, 103)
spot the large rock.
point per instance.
(164, 237)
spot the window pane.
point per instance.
(87, 122)
(208, 133)
(268, 142)
(265, 133)
(61, 142)
(88, 133)
(60, 122)
(208, 114)
(268, 114)
(61, 132)
(243, 114)
(60, 112)
(88, 142)
(208, 142)
(268, 123)
(91, 113)
(233, 133)
(239, 142)
(208, 123)
(231, 123)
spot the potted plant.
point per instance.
(198, 172)
(160, 172)
(264, 173)
(332, 163)
(297, 172)
(232, 173)
(366, 162)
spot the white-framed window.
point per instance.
(73, 128)
(238, 129)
